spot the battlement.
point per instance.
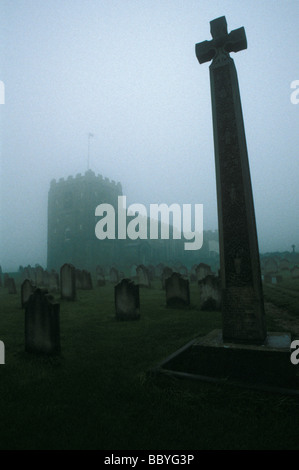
(88, 177)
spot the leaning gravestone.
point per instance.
(26, 290)
(68, 282)
(143, 278)
(177, 291)
(126, 297)
(42, 332)
(210, 293)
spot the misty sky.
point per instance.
(126, 71)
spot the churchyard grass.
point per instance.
(97, 393)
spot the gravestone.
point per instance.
(39, 276)
(166, 273)
(68, 282)
(26, 290)
(202, 270)
(126, 298)
(243, 316)
(143, 278)
(86, 280)
(113, 274)
(42, 332)
(46, 279)
(210, 293)
(53, 281)
(177, 291)
(11, 286)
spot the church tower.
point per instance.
(71, 221)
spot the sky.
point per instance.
(126, 71)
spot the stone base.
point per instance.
(211, 359)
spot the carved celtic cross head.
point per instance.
(222, 41)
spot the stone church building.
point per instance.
(71, 230)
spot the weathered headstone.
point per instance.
(53, 281)
(177, 291)
(270, 266)
(39, 276)
(202, 270)
(42, 332)
(243, 315)
(68, 282)
(210, 293)
(143, 278)
(126, 297)
(26, 290)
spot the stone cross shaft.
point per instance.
(241, 288)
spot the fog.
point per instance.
(126, 71)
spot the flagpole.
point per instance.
(88, 148)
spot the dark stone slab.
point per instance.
(27, 289)
(42, 330)
(68, 282)
(259, 366)
(126, 298)
(210, 293)
(177, 291)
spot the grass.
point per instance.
(98, 395)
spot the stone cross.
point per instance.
(242, 305)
